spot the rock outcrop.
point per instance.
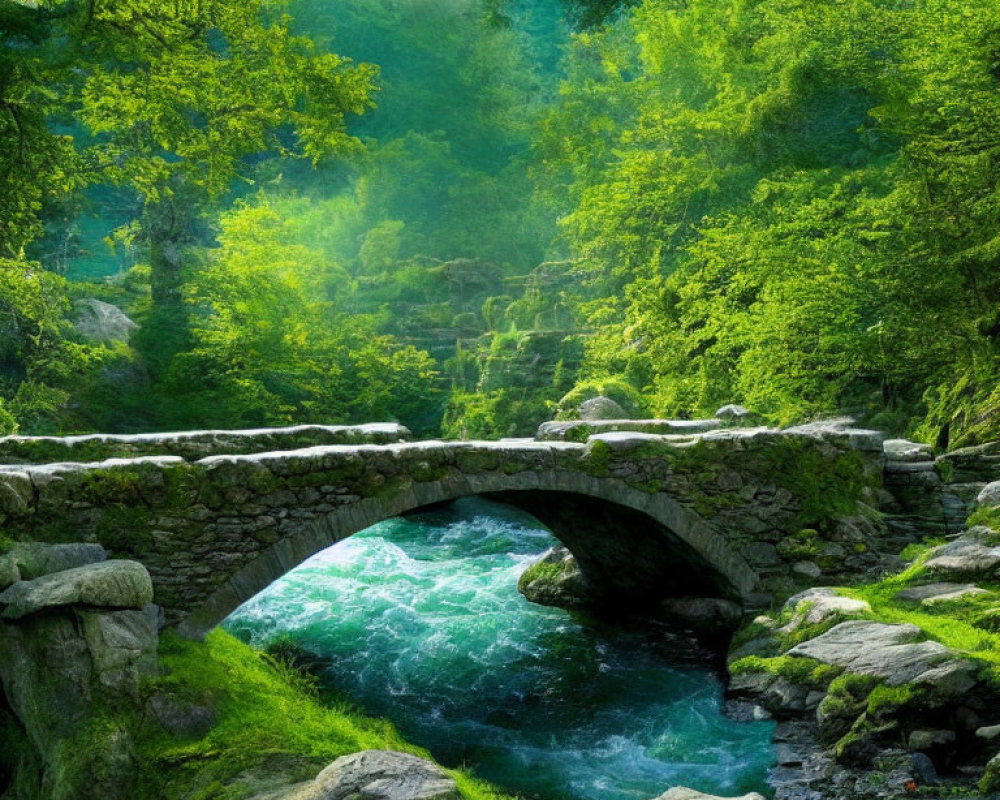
(74, 648)
(109, 584)
(375, 775)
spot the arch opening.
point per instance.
(629, 560)
(632, 546)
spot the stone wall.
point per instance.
(933, 496)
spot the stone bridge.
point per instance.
(661, 509)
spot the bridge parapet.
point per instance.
(190, 445)
(760, 509)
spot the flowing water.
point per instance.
(421, 622)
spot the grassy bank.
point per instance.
(270, 729)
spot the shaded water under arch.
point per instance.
(420, 621)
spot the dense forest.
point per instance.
(468, 215)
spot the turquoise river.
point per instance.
(419, 620)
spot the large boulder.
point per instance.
(59, 671)
(377, 775)
(892, 652)
(599, 408)
(109, 584)
(100, 322)
(35, 559)
(975, 555)
(555, 580)
(683, 793)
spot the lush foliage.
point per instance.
(790, 205)
(798, 210)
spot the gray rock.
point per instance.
(875, 648)
(904, 450)
(973, 555)
(97, 321)
(35, 559)
(109, 584)
(933, 593)
(599, 408)
(732, 412)
(783, 697)
(807, 568)
(683, 793)
(923, 769)
(815, 606)
(989, 496)
(9, 573)
(989, 733)
(57, 671)
(762, 554)
(379, 775)
(927, 739)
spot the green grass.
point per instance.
(270, 723)
(793, 669)
(952, 624)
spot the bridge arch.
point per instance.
(657, 548)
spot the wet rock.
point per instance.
(600, 408)
(377, 775)
(923, 769)
(746, 711)
(555, 580)
(109, 584)
(35, 559)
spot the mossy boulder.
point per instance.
(555, 580)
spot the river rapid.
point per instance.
(419, 620)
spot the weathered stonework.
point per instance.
(735, 507)
(190, 445)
